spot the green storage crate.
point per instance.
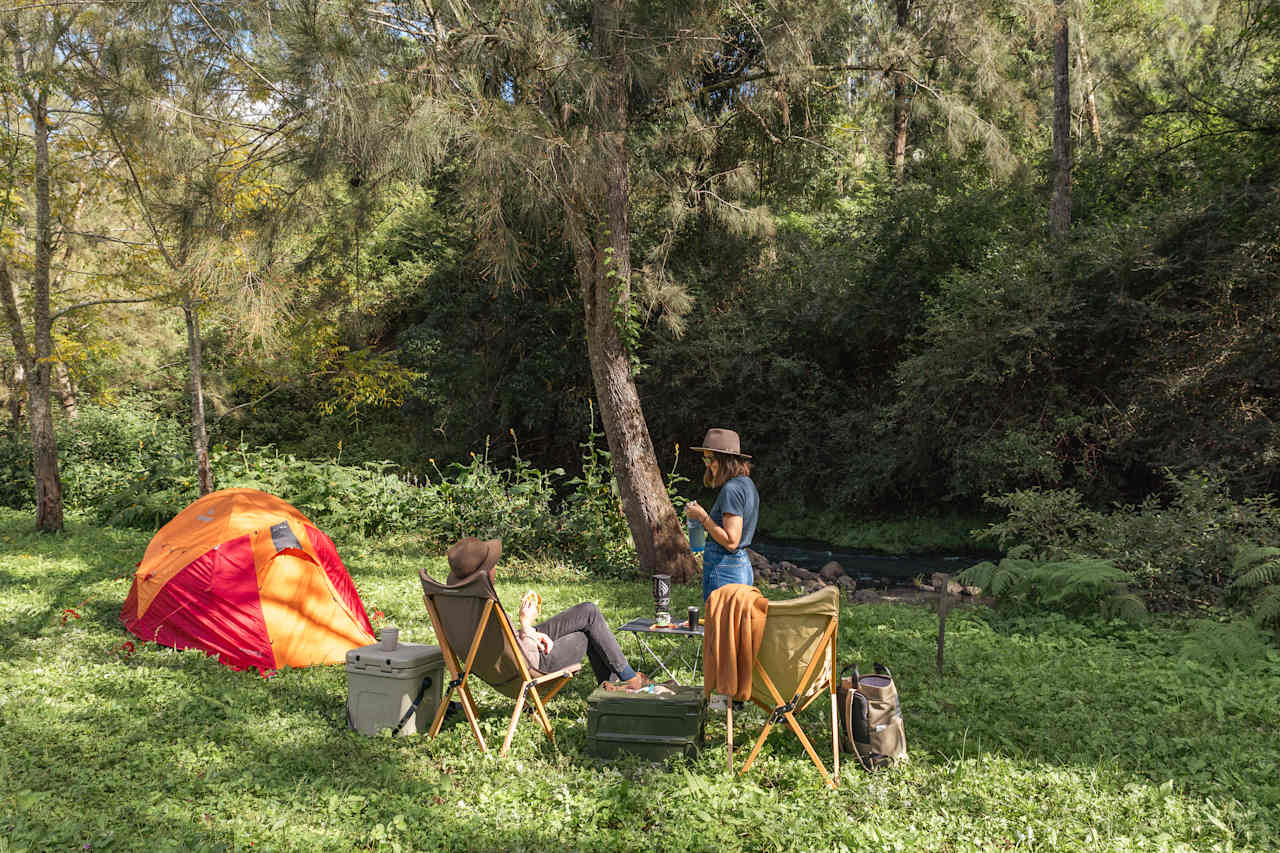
(645, 724)
(382, 684)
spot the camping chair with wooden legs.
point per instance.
(795, 666)
(468, 618)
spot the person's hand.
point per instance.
(693, 510)
(544, 643)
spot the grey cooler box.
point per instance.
(382, 685)
(645, 724)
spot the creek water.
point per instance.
(868, 568)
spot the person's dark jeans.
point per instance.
(581, 630)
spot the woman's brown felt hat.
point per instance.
(471, 555)
(723, 441)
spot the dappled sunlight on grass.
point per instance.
(1043, 734)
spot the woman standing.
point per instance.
(731, 523)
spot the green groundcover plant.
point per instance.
(1044, 733)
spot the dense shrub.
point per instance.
(107, 450)
(17, 480)
(1177, 547)
(126, 468)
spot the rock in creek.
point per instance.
(797, 578)
(832, 571)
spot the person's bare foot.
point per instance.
(635, 682)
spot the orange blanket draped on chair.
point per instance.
(733, 626)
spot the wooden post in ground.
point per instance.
(940, 583)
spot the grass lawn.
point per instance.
(1044, 734)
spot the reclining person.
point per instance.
(559, 641)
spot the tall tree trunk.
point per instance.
(603, 260)
(44, 444)
(16, 380)
(1086, 83)
(199, 437)
(36, 357)
(1060, 205)
(66, 389)
(901, 106)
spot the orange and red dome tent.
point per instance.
(243, 575)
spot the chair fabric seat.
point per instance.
(469, 618)
(792, 635)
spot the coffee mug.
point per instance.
(390, 638)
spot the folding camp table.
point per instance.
(644, 629)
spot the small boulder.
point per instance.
(832, 571)
(797, 572)
(952, 587)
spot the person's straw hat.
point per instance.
(723, 441)
(471, 555)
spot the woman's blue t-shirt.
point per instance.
(719, 567)
(737, 497)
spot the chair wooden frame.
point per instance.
(461, 671)
(785, 710)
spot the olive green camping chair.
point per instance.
(795, 666)
(468, 617)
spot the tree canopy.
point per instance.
(425, 229)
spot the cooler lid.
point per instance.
(403, 656)
(682, 701)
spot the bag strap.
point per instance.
(422, 691)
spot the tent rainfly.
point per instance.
(243, 575)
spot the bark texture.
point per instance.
(901, 106)
(16, 380)
(199, 437)
(66, 390)
(1086, 84)
(1060, 205)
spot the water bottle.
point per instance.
(697, 536)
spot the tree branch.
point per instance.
(104, 237)
(195, 7)
(742, 79)
(255, 402)
(93, 302)
(142, 201)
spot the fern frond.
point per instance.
(1266, 610)
(978, 574)
(1265, 563)
(1075, 581)
(1249, 554)
(1124, 605)
(1007, 576)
